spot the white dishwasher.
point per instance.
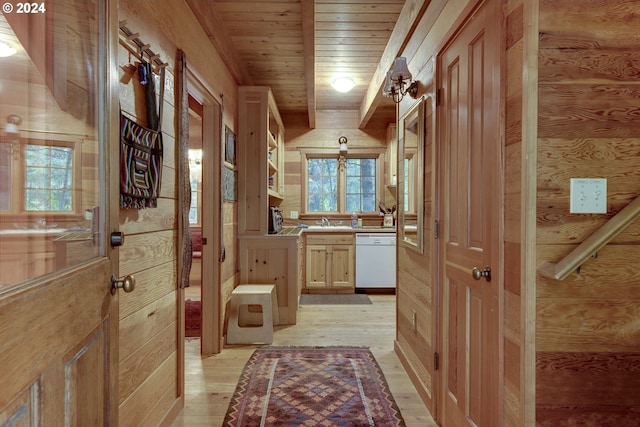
(375, 260)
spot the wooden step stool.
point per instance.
(255, 294)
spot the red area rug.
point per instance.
(312, 386)
(192, 318)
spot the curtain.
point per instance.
(184, 184)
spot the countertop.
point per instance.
(297, 231)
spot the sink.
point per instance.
(330, 227)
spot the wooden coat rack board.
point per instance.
(140, 49)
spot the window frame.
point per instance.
(18, 175)
(353, 153)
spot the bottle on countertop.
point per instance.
(354, 220)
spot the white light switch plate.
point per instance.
(588, 195)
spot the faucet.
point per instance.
(325, 221)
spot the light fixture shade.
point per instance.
(388, 85)
(400, 71)
(343, 84)
(343, 144)
(13, 123)
(11, 129)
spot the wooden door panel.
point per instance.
(20, 412)
(455, 203)
(316, 266)
(56, 362)
(342, 266)
(452, 344)
(85, 389)
(469, 147)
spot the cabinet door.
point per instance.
(342, 266)
(316, 266)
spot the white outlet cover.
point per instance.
(588, 195)
(293, 214)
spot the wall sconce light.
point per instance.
(398, 82)
(342, 160)
(12, 134)
(13, 121)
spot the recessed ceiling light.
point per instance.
(6, 50)
(343, 84)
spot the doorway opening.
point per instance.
(193, 293)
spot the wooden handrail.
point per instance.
(592, 244)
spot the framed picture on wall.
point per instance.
(229, 146)
(229, 184)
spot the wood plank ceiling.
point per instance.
(298, 47)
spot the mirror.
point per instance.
(410, 177)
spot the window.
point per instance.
(361, 185)
(48, 180)
(195, 171)
(332, 188)
(45, 172)
(323, 185)
(53, 147)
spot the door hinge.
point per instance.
(436, 361)
(436, 229)
(438, 96)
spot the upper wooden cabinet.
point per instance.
(260, 158)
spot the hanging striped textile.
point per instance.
(141, 165)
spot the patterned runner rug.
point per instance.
(312, 386)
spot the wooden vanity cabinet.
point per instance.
(329, 263)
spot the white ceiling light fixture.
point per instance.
(6, 50)
(343, 84)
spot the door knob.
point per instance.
(127, 284)
(478, 274)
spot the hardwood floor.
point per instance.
(211, 381)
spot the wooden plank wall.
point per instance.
(148, 316)
(416, 275)
(588, 333)
(150, 389)
(512, 415)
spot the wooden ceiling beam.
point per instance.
(410, 16)
(215, 28)
(308, 36)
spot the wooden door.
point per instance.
(196, 95)
(58, 366)
(470, 207)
